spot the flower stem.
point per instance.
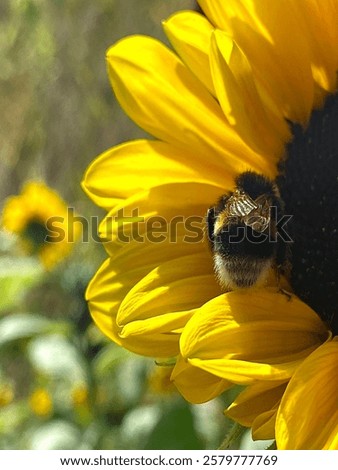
(233, 435)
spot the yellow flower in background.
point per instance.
(40, 218)
(6, 394)
(41, 402)
(79, 395)
(220, 105)
(80, 400)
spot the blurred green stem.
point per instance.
(232, 437)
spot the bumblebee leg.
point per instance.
(288, 294)
(280, 269)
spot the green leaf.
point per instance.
(25, 325)
(122, 374)
(130, 378)
(175, 429)
(108, 359)
(12, 416)
(17, 275)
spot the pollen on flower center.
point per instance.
(309, 187)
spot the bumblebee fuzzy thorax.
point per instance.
(242, 229)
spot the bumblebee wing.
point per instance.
(240, 205)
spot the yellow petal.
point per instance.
(139, 165)
(161, 302)
(264, 425)
(37, 203)
(129, 285)
(258, 334)
(269, 34)
(184, 113)
(319, 21)
(101, 295)
(190, 34)
(245, 372)
(104, 296)
(255, 400)
(196, 385)
(132, 261)
(237, 93)
(308, 414)
(158, 214)
(144, 257)
(256, 407)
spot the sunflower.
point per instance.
(251, 86)
(42, 221)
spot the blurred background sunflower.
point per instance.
(62, 385)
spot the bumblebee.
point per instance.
(243, 232)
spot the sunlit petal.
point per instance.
(245, 336)
(190, 116)
(115, 175)
(153, 211)
(104, 295)
(259, 29)
(319, 21)
(190, 34)
(256, 407)
(308, 414)
(209, 386)
(164, 291)
(237, 93)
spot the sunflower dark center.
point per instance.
(309, 187)
(36, 232)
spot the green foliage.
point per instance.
(16, 277)
(24, 325)
(175, 429)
